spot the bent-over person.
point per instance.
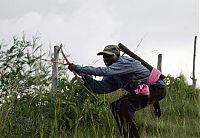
(129, 74)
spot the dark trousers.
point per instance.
(124, 108)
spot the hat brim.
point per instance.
(105, 53)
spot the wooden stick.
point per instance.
(194, 80)
(133, 55)
(75, 74)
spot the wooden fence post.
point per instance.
(55, 71)
(194, 80)
(156, 105)
(159, 66)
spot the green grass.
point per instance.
(28, 111)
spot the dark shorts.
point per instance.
(138, 101)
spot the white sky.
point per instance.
(86, 26)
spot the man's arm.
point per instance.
(106, 85)
(117, 68)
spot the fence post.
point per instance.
(159, 66)
(194, 80)
(156, 104)
(55, 71)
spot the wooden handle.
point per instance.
(133, 55)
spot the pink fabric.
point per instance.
(154, 76)
(144, 88)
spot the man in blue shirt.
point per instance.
(122, 72)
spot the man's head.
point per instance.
(110, 54)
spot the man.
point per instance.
(127, 73)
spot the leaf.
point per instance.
(70, 122)
(37, 49)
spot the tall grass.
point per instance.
(28, 110)
(180, 113)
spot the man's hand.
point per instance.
(72, 67)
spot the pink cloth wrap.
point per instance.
(144, 88)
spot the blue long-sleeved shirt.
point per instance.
(118, 75)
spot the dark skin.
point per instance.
(109, 59)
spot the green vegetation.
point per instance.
(28, 110)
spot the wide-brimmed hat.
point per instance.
(110, 50)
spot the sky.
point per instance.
(85, 27)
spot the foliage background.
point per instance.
(28, 110)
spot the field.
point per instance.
(28, 110)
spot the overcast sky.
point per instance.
(86, 26)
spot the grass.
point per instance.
(28, 111)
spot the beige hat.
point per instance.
(110, 50)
